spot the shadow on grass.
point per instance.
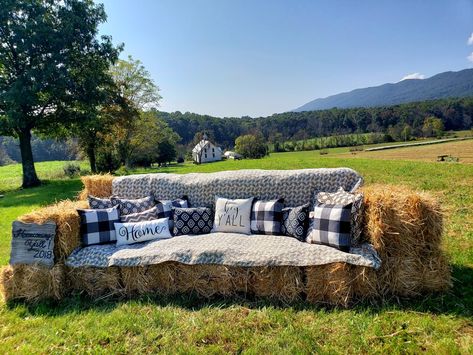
(456, 302)
(49, 192)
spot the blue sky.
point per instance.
(258, 57)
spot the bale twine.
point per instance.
(67, 220)
(33, 283)
(330, 284)
(96, 185)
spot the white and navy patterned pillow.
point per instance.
(266, 217)
(330, 225)
(127, 206)
(98, 203)
(294, 221)
(341, 197)
(195, 220)
(98, 226)
(165, 208)
(147, 215)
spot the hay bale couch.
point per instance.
(402, 256)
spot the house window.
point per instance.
(213, 150)
(205, 155)
(213, 155)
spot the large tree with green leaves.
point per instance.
(53, 68)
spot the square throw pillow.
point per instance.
(295, 221)
(147, 215)
(266, 217)
(196, 220)
(330, 225)
(137, 232)
(232, 216)
(341, 197)
(98, 226)
(98, 203)
(127, 206)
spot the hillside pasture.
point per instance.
(185, 324)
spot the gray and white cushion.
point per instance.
(330, 225)
(98, 203)
(341, 197)
(195, 220)
(266, 217)
(98, 226)
(295, 221)
(127, 206)
(147, 215)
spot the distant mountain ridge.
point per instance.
(443, 85)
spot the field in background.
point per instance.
(441, 323)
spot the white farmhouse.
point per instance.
(205, 151)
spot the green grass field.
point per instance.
(434, 324)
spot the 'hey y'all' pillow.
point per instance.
(232, 216)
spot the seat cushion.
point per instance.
(223, 249)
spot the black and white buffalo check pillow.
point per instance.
(133, 206)
(266, 217)
(165, 206)
(294, 221)
(196, 220)
(341, 197)
(98, 203)
(330, 225)
(98, 226)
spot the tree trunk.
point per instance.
(30, 179)
(92, 158)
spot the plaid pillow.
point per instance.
(294, 221)
(196, 220)
(97, 203)
(266, 217)
(165, 206)
(147, 215)
(341, 197)
(330, 225)
(133, 206)
(97, 226)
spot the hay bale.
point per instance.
(96, 185)
(33, 283)
(204, 280)
(282, 283)
(403, 226)
(96, 282)
(330, 284)
(67, 220)
(156, 279)
(364, 282)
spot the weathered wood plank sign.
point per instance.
(32, 243)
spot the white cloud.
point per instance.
(413, 76)
(470, 40)
(470, 57)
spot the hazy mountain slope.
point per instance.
(443, 85)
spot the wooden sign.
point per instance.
(32, 243)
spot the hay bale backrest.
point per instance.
(295, 186)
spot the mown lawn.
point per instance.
(439, 323)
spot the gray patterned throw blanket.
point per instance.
(297, 187)
(223, 249)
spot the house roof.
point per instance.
(201, 145)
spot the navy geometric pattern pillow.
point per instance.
(295, 221)
(341, 197)
(147, 215)
(196, 220)
(133, 206)
(97, 203)
(266, 217)
(330, 225)
(165, 208)
(98, 226)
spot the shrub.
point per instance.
(180, 160)
(71, 170)
(251, 146)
